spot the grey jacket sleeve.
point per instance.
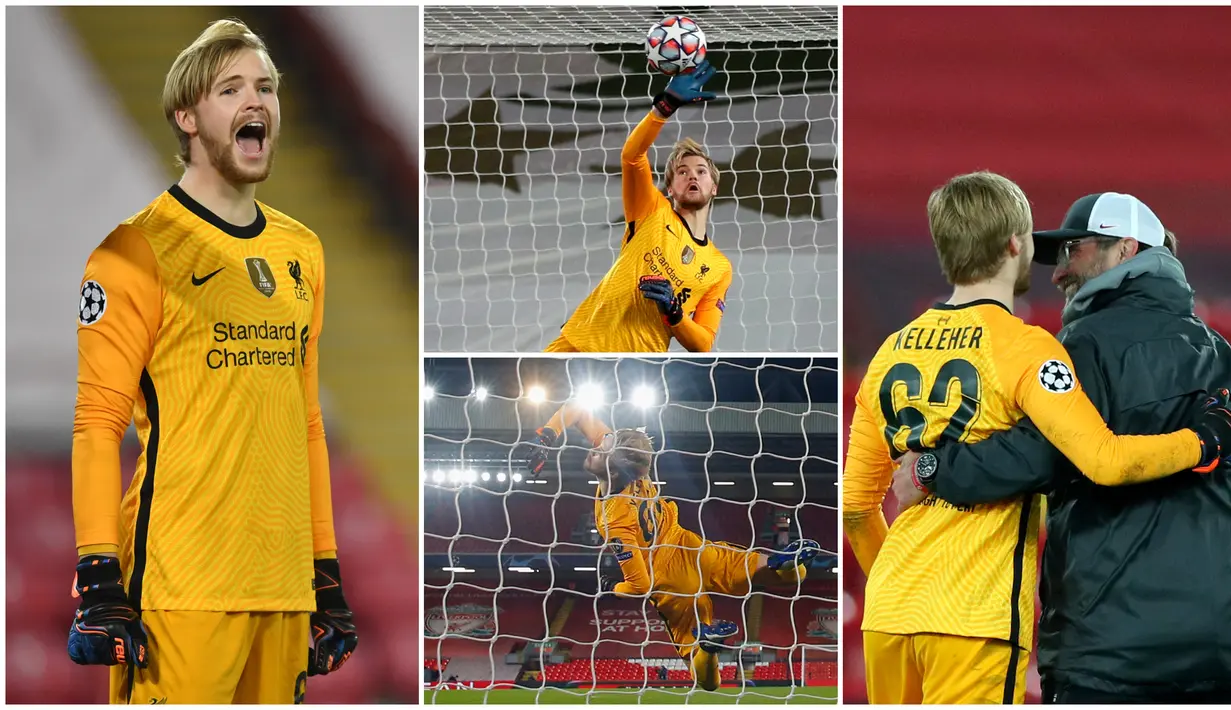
(1021, 460)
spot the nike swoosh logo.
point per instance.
(1107, 226)
(198, 281)
(669, 229)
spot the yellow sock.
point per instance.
(705, 669)
(792, 575)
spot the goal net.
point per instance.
(526, 110)
(746, 449)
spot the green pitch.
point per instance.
(633, 696)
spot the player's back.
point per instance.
(218, 514)
(660, 541)
(616, 317)
(951, 376)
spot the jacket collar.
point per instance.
(1157, 265)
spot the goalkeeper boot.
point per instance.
(711, 636)
(799, 552)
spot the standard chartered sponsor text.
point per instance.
(240, 350)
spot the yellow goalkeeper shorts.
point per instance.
(216, 658)
(683, 578)
(932, 669)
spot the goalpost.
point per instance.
(747, 450)
(525, 112)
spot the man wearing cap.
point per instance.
(1136, 581)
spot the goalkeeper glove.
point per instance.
(607, 583)
(658, 289)
(333, 632)
(685, 89)
(535, 451)
(107, 630)
(1213, 427)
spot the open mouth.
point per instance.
(694, 187)
(251, 138)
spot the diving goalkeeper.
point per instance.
(674, 566)
(669, 280)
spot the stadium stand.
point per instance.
(603, 641)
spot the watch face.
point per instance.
(925, 467)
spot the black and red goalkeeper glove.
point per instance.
(659, 290)
(1213, 427)
(107, 630)
(536, 450)
(333, 630)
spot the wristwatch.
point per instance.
(924, 473)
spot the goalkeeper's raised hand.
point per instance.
(535, 451)
(334, 638)
(659, 290)
(1213, 427)
(685, 89)
(106, 630)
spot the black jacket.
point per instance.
(1136, 581)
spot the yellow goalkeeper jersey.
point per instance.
(206, 334)
(635, 523)
(959, 374)
(616, 317)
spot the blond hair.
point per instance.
(198, 66)
(688, 148)
(632, 452)
(972, 218)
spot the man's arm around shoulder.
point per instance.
(1020, 461)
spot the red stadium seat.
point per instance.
(381, 569)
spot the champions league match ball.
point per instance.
(675, 46)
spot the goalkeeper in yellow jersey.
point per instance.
(949, 602)
(677, 568)
(215, 579)
(670, 280)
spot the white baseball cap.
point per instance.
(1103, 214)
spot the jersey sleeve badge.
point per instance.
(1056, 377)
(93, 303)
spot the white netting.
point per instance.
(747, 450)
(525, 113)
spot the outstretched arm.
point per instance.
(641, 198)
(573, 415)
(1070, 421)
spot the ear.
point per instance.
(1016, 244)
(1131, 247)
(186, 119)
